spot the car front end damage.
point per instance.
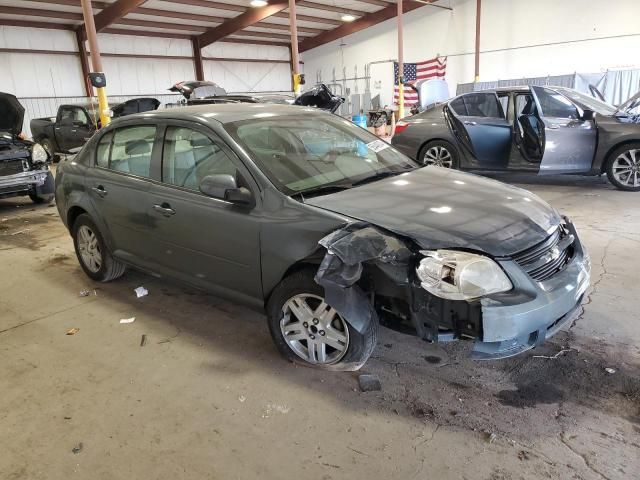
(23, 167)
(506, 305)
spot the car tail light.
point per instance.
(401, 126)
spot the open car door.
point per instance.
(479, 123)
(566, 134)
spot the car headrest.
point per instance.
(137, 147)
(200, 141)
(529, 107)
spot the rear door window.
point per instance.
(131, 150)
(483, 105)
(103, 150)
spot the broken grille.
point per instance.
(11, 167)
(544, 260)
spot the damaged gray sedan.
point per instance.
(329, 229)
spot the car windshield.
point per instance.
(306, 153)
(591, 103)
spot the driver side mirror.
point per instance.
(588, 115)
(225, 187)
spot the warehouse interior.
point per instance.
(149, 376)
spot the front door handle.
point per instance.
(470, 123)
(165, 209)
(100, 191)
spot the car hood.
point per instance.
(11, 114)
(320, 97)
(440, 208)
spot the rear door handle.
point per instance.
(165, 209)
(470, 123)
(553, 127)
(100, 191)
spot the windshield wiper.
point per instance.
(323, 190)
(375, 177)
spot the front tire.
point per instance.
(310, 332)
(93, 255)
(623, 167)
(439, 153)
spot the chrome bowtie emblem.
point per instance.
(555, 253)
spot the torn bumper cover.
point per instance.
(342, 267)
(502, 325)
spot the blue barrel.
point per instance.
(360, 120)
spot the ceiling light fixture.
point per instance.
(258, 3)
(347, 18)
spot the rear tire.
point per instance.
(300, 339)
(439, 153)
(93, 255)
(623, 167)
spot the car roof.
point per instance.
(228, 112)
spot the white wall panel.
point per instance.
(515, 41)
(143, 76)
(133, 44)
(249, 77)
(37, 39)
(240, 50)
(40, 75)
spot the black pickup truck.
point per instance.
(75, 124)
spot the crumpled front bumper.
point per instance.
(533, 311)
(34, 178)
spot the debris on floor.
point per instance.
(141, 292)
(143, 340)
(610, 370)
(77, 449)
(128, 320)
(20, 231)
(369, 383)
(85, 293)
(242, 398)
(490, 437)
(72, 331)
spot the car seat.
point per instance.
(531, 130)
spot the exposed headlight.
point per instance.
(461, 276)
(38, 154)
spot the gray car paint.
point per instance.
(255, 247)
(609, 131)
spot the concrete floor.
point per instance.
(208, 396)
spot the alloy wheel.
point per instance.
(89, 249)
(314, 330)
(626, 168)
(439, 156)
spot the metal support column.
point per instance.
(96, 61)
(478, 12)
(295, 57)
(84, 63)
(197, 59)
(400, 63)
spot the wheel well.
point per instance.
(305, 264)
(607, 157)
(72, 214)
(431, 140)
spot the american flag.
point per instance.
(414, 73)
